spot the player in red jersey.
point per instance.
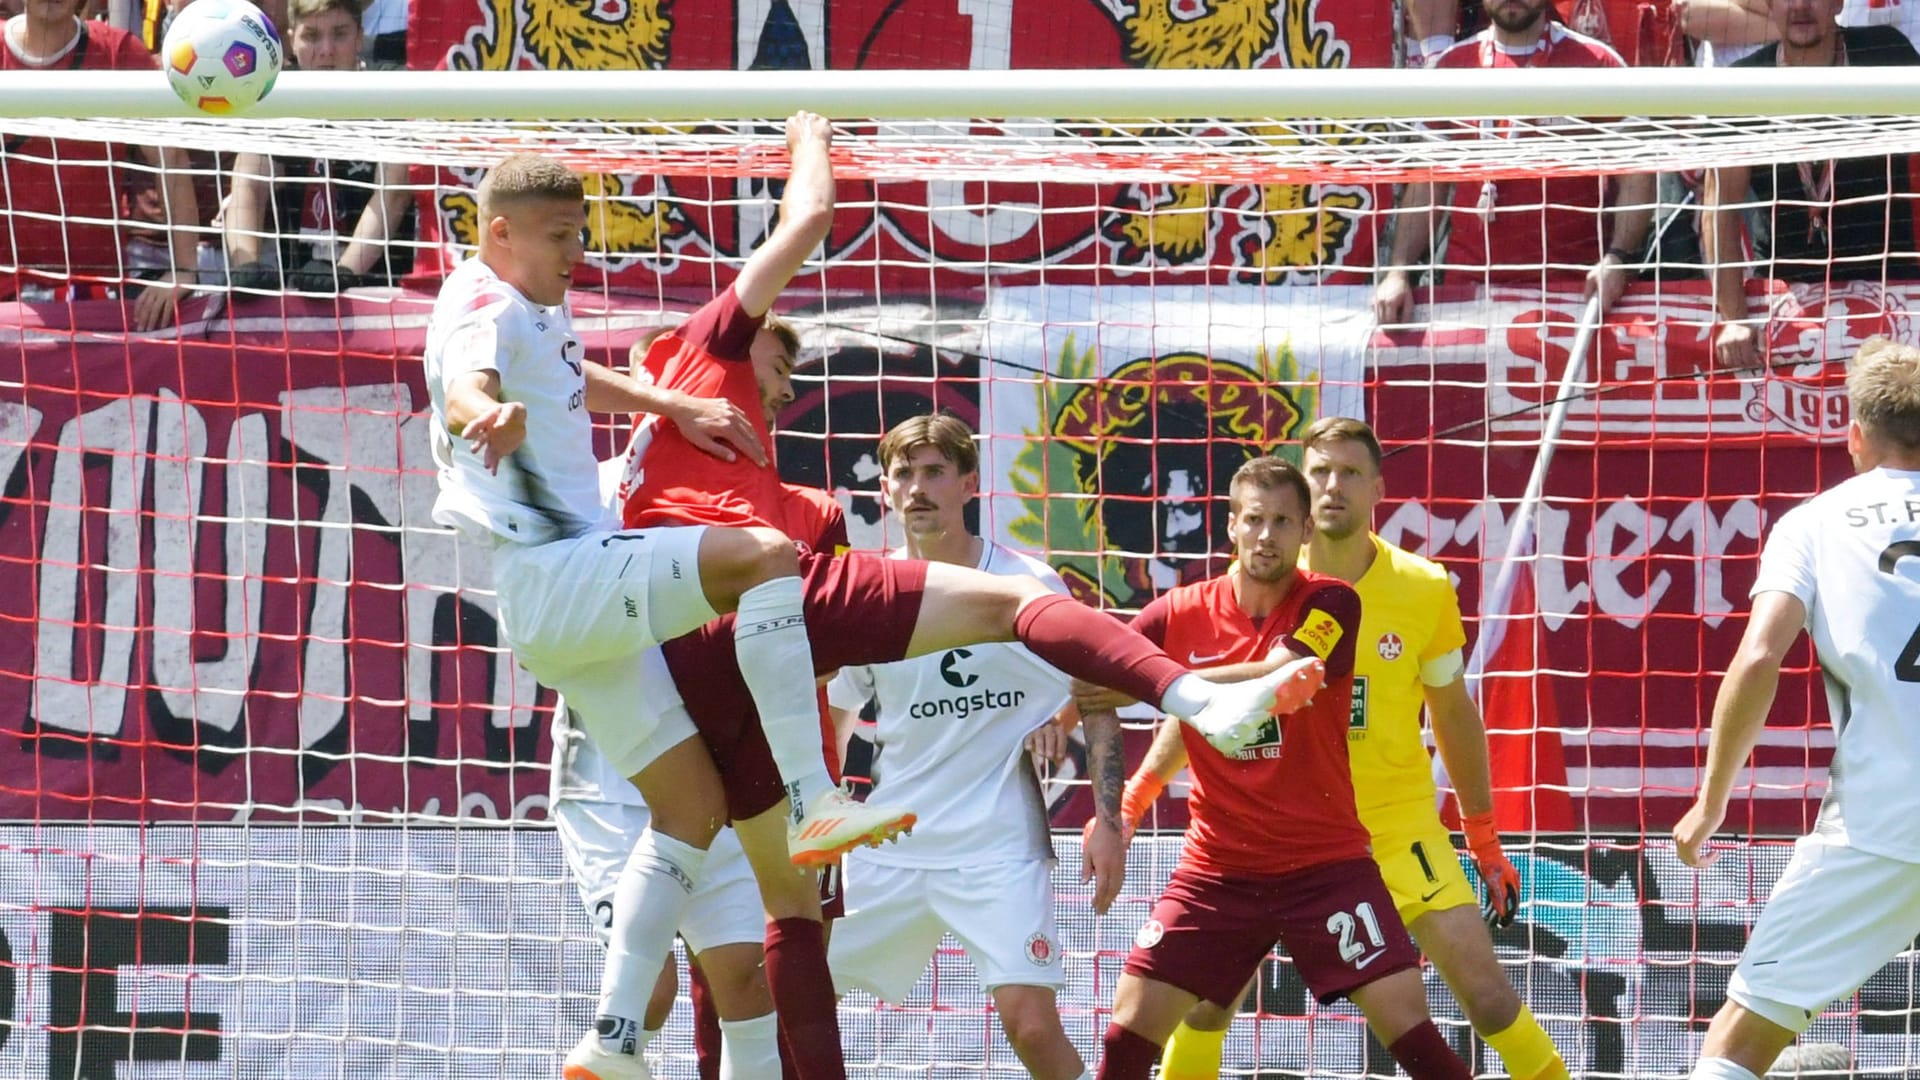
(1275, 847)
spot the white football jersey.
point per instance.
(1852, 556)
(949, 733)
(550, 487)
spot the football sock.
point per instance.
(1193, 1054)
(802, 990)
(648, 901)
(708, 1044)
(1424, 1053)
(1527, 1052)
(1125, 1055)
(1095, 646)
(752, 1048)
(770, 641)
(1719, 1069)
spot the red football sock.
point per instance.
(1095, 646)
(1125, 1055)
(706, 1024)
(1424, 1053)
(802, 990)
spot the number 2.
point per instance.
(1906, 667)
(1342, 924)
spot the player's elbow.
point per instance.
(810, 219)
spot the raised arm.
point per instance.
(806, 217)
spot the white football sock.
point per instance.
(1187, 696)
(770, 641)
(1719, 1069)
(648, 901)
(750, 1049)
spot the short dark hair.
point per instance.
(528, 176)
(1268, 472)
(784, 331)
(944, 432)
(1883, 388)
(299, 11)
(1330, 429)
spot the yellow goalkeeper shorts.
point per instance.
(1416, 858)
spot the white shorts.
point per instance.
(606, 595)
(584, 616)
(596, 836)
(1001, 913)
(1836, 916)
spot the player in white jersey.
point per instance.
(511, 396)
(952, 733)
(1845, 565)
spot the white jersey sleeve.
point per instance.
(950, 735)
(1852, 556)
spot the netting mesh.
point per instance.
(275, 790)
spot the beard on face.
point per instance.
(1517, 18)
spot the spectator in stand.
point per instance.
(383, 26)
(63, 202)
(1639, 30)
(1829, 220)
(1724, 31)
(1521, 232)
(335, 224)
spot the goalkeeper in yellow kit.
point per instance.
(1409, 654)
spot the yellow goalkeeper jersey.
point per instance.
(1409, 615)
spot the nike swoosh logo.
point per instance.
(1432, 894)
(1360, 964)
(1196, 658)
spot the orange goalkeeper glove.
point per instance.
(1503, 881)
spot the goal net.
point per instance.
(273, 799)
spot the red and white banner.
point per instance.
(227, 601)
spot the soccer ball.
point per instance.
(222, 55)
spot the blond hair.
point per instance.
(1883, 387)
(527, 176)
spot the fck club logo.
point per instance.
(1391, 646)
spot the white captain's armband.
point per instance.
(1442, 669)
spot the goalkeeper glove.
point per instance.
(1503, 881)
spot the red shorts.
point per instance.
(1209, 932)
(860, 609)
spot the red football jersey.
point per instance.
(65, 194)
(1535, 228)
(1284, 803)
(679, 483)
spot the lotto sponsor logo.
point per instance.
(962, 706)
(1150, 934)
(1320, 632)
(1041, 950)
(1390, 646)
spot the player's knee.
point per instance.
(1489, 1001)
(694, 816)
(1206, 1016)
(1031, 1022)
(735, 560)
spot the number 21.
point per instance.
(1342, 924)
